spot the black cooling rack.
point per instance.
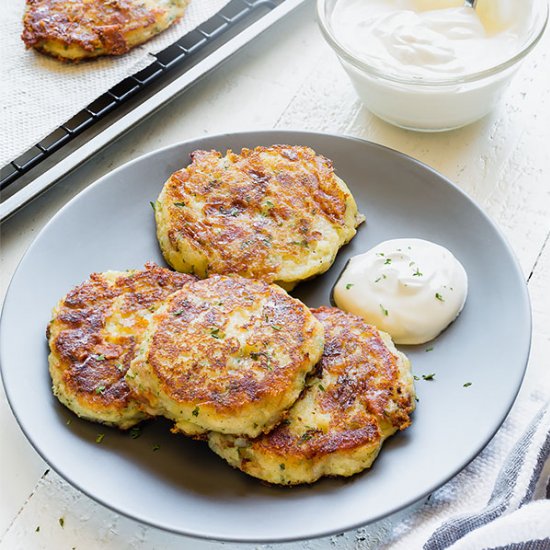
(237, 18)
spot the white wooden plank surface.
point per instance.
(290, 79)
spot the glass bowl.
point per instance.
(425, 104)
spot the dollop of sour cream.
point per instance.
(430, 38)
(410, 288)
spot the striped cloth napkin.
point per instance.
(515, 514)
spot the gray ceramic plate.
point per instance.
(183, 487)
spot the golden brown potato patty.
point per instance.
(276, 213)
(93, 336)
(78, 29)
(227, 354)
(360, 393)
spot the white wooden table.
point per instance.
(289, 78)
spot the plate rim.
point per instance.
(293, 135)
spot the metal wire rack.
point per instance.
(172, 71)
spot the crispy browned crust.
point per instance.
(367, 379)
(90, 362)
(358, 394)
(94, 27)
(225, 347)
(258, 206)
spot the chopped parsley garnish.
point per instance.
(379, 253)
(100, 389)
(416, 377)
(153, 206)
(216, 333)
(467, 384)
(282, 466)
(156, 448)
(349, 285)
(276, 327)
(269, 204)
(178, 312)
(135, 432)
(439, 297)
(100, 357)
(62, 521)
(99, 438)
(306, 436)
(430, 376)
(388, 261)
(430, 349)
(321, 387)
(119, 367)
(417, 273)
(196, 411)
(37, 529)
(384, 310)
(179, 204)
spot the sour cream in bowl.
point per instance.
(431, 65)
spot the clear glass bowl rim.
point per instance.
(346, 55)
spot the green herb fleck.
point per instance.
(430, 376)
(179, 204)
(62, 522)
(135, 432)
(99, 438)
(100, 357)
(153, 206)
(156, 448)
(379, 253)
(119, 367)
(417, 273)
(269, 204)
(388, 261)
(384, 310)
(349, 285)
(276, 327)
(196, 411)
(282, 466)
(100, 389)
(216, 333)
(233, 212)
(306, 436)
(37, 529)
(467, 384)
(416, 399)
(439, 297)
(321, 387)
(416, 377)
(178, 312)
(430, 348)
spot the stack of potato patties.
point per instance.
(282, 392)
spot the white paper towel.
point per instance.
(38, 94)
